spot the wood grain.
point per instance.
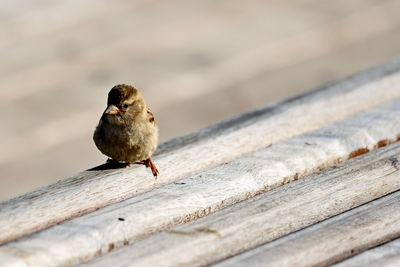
(277, 213)
(382, 256)
(332, 240)
(100, 231)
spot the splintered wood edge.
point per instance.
(193, 197)
(181, 157)
(387, 254)
(279, 212)
(334, 239)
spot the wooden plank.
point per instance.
(93, 189)
(382, 256)
(332, 240)
(271, 215)
(198, 195)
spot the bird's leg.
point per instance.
(149, 164)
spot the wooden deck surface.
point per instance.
(310, 181)
(197, 62)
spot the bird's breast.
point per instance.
(126, 143)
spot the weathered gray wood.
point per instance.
(382, 256)
(202, 150)
(273, 214)
(331, 240)
(198, 195)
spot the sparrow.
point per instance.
(127, 131)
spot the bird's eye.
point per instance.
(126, 105)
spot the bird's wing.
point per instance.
(150, 116)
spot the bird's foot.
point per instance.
(149, 164)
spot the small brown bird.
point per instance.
(127, 131)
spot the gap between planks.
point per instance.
(332, 240)
(279, 212)
(100, 231)
(385, 255)
(179, 158)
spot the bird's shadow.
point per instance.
(111, 165)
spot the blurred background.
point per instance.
(196, 62)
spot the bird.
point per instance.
(127, 131)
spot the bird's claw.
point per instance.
(149, 164)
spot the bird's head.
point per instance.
(124, 103)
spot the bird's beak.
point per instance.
(112, 110)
